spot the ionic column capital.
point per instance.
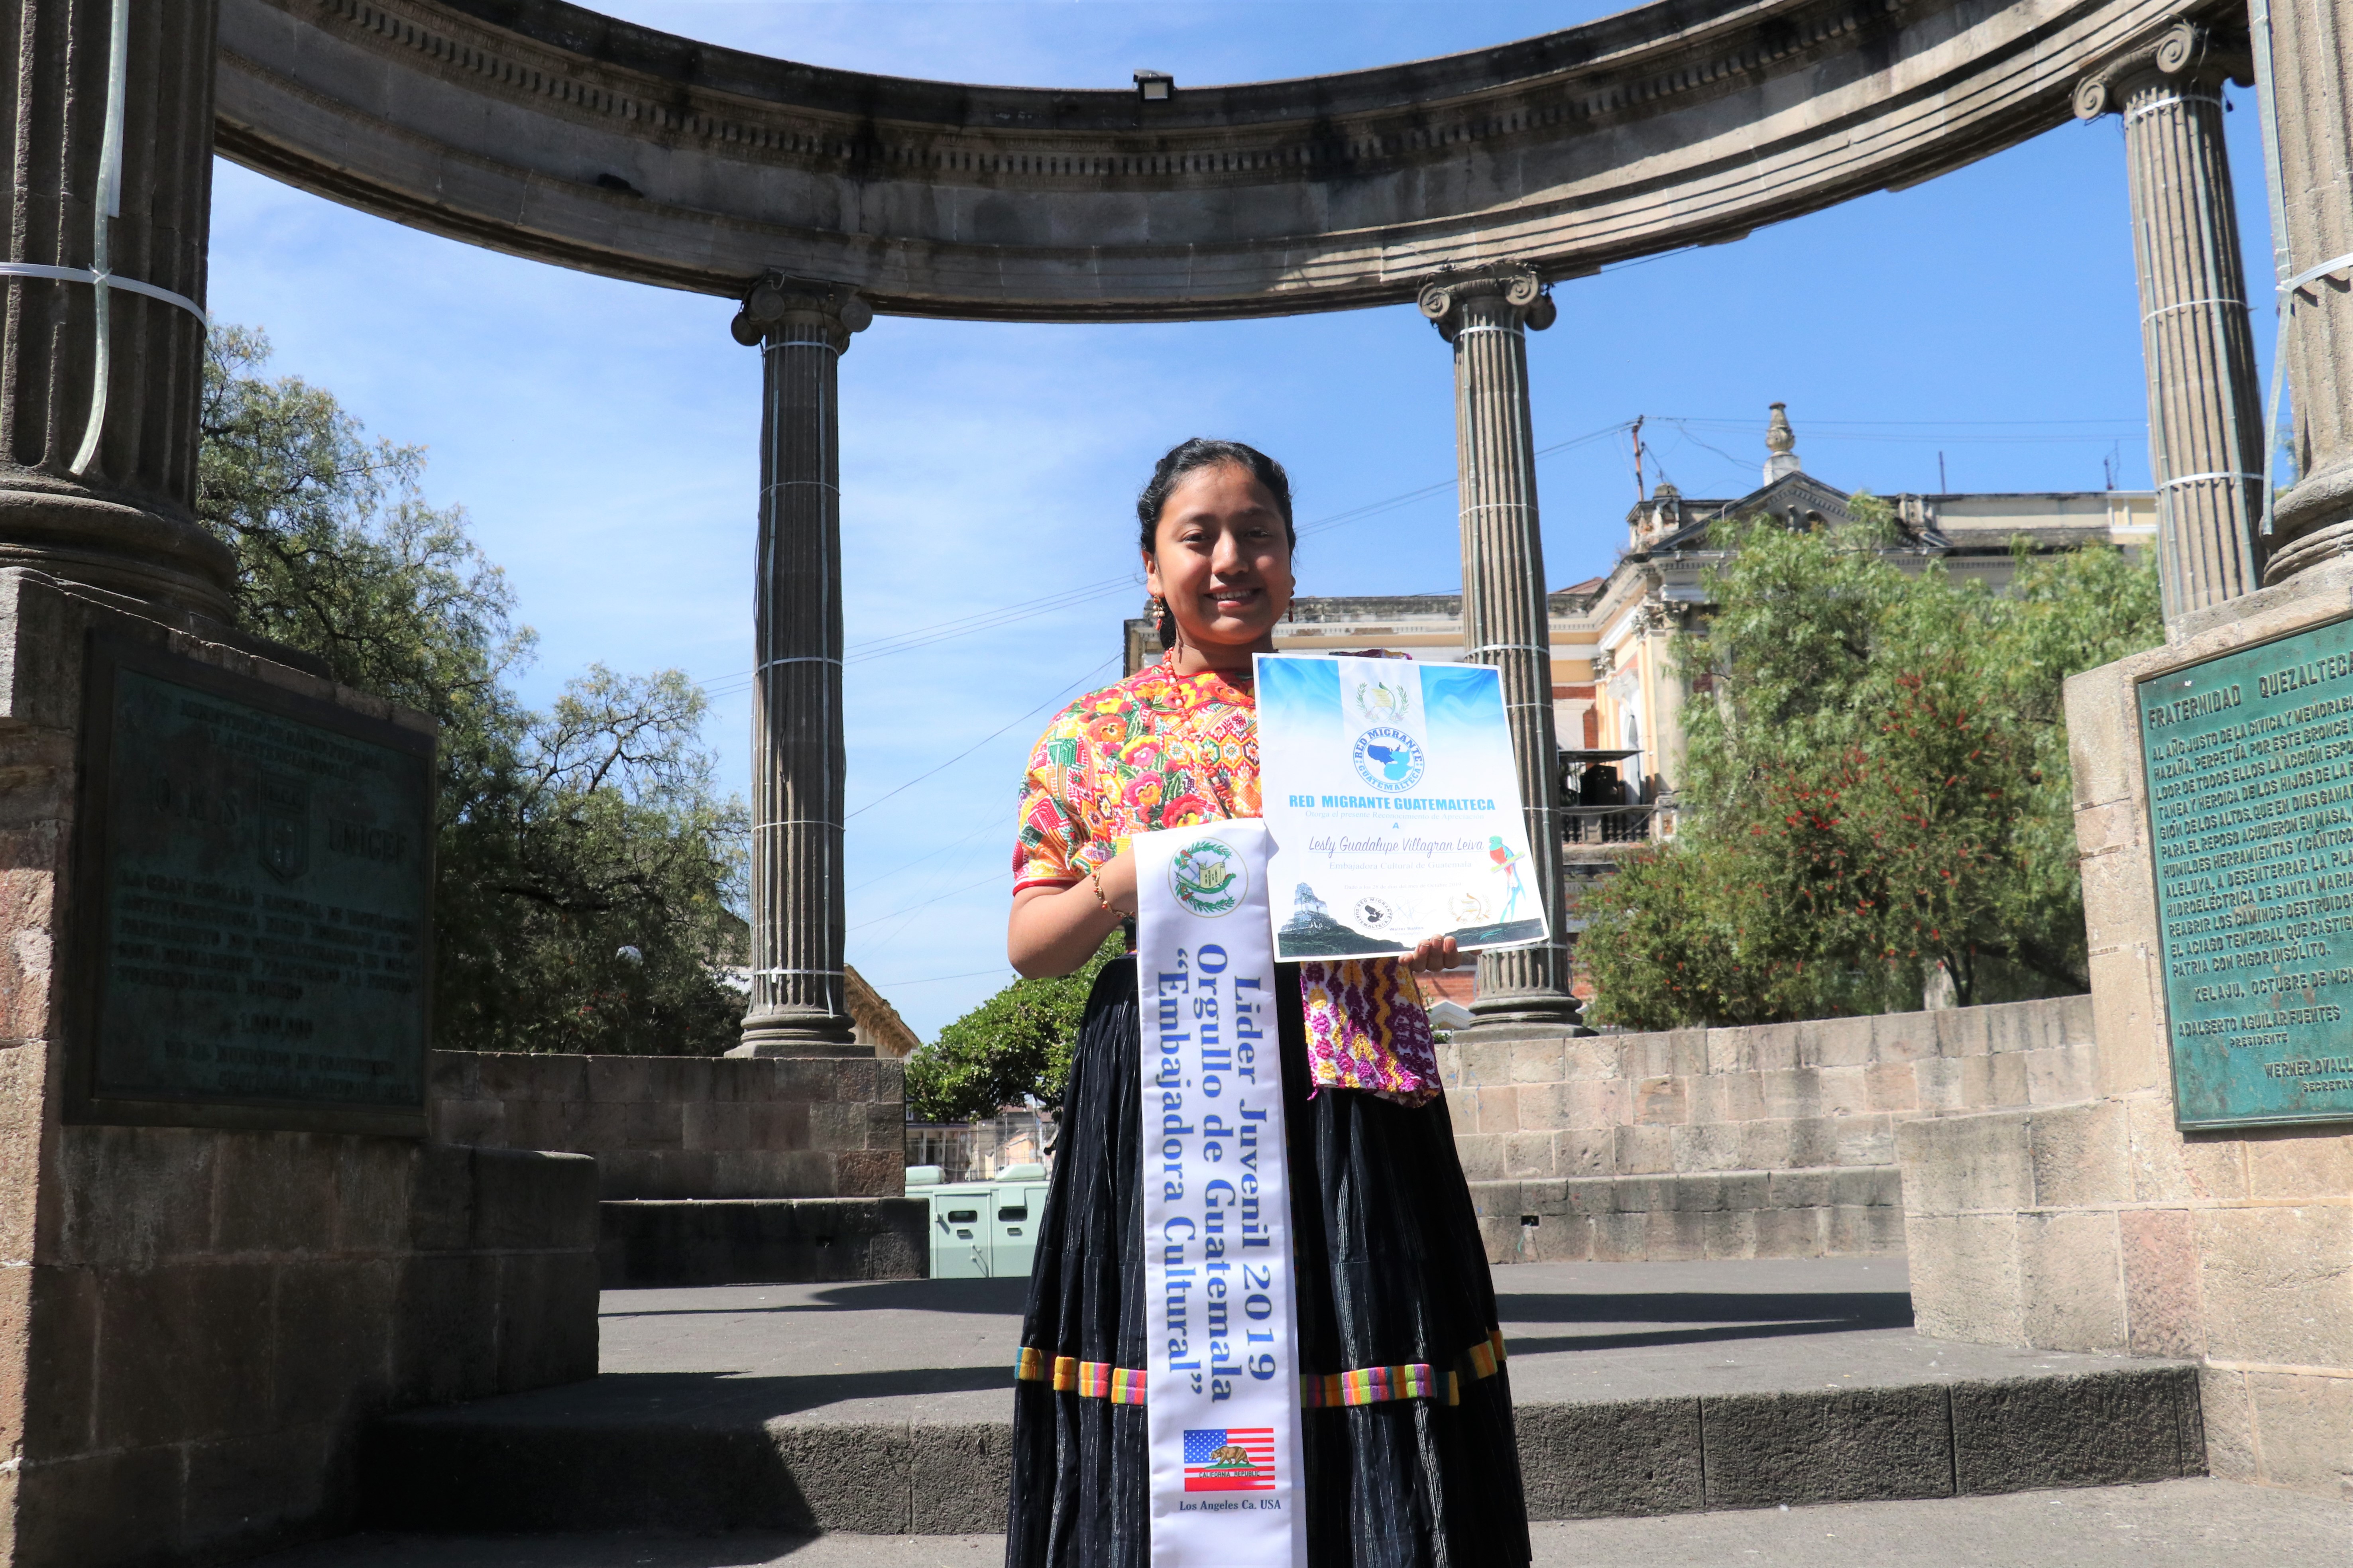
(1511, 294)
(2183, 52)
(778, 302)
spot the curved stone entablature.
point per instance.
(551, 131)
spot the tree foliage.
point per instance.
(1876, 785)
(1015, 1046)
(586, 870)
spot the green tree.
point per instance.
(1876, 785)
(587, 873)
(1015, 1046)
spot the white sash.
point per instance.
(1221, 1393)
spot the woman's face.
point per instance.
(1220, 561)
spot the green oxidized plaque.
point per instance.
(255, 909)
(2250, 762)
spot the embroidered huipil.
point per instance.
(1163, 750)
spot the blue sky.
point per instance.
(603, 435)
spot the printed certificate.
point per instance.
(1394, 801)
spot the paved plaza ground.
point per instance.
(939, 1350)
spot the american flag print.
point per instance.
(1229, 1459)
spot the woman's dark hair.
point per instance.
(1189, 457)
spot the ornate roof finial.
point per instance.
(1782, 442)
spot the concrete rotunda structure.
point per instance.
(1476, 184)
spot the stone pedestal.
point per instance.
(119, 514)
(797, 766)
(1485, 316)
(196, 1323)
(2097, 1223)
(2205, 416)
(2313, 521)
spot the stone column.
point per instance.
(118, 514)
(797, 1005)
(2205, 400)
(2312, 212)
(1485, 316)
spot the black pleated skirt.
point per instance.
(1391, 1272)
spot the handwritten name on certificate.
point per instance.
(1394, 803)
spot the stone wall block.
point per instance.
(1539, 1061)
(1814, 1141)
(266, 1191)
(1892, 1085)
(30, 867)
(454, 1075)
(1789, 1233)
(2119, 897)
(133, 1197)
(256, 1490)
(2081, 1155)
(1767, 1145)
(1799, 1189)
(512, 1076)
(837, 1124)
(2058, 1075)
(1674, 1236)
(2230, 1421)
(1706, 1146)
(1747, 1190)
(1594, 1055)
(1482, 1154)
(470, 1123)
(2275, 1282)
(439, 1354)
(1527, 1154)
(1585, 1152)
(546, 1319)
(1937, 1083)
(2169, 1167)
(886, 1129)
(1861, 1140)
(1686, 1052)
(23, 1079)
(2162, 1315)
(1858, 1231)
(529, 1199)
(184, 1352)
(1966, 1276)
(1962, 1032)
(1499, 1234)
(1506, 1198)
(1590, 1198)
(111, 1506)
(1462, 1109)
(1730, 1050)
(1600, 1103)
(1499, 1110)
(2299, 1162)
(1565, 1238)
(332, 1359)
(1870, 1187)
(441, 1207)
(1959, 1164)
(61, 1388)
(1645, 1150)
(1730, 1233)
(1903, 1037)
(1660, 1101)
(2128, 1015)
(1842, 1092)
(2303, 1431)
(2071, 1276)
(1774, 1046)
(793, 1124)
(1791, 1091)
(716, 1124)
(1619, 1237)
(2103, 735)
(1485, 1062)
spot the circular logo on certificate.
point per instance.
(1208, 877)
(1374, 914)
(1388, 759)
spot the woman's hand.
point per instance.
(1435, 952)
(1054, 931)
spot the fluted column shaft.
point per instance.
(1485, 316)
(799, 1007)
(2205, 405)
(125, 521)
(2313, 521)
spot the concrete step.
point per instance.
(1642, 1389)
(2173, 1525)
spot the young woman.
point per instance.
(1391, 1274)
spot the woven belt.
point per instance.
(1317, 1390)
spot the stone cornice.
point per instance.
(549, 130)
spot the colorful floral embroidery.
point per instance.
(1163, 750)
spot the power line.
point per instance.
(910, 908)
(985, 739)
(935, 979)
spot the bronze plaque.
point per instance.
(254, 904)
(2250, 769)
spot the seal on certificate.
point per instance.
(1388, 759)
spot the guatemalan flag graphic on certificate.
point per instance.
(1229, 1459)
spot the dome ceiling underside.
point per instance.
(550, 131)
